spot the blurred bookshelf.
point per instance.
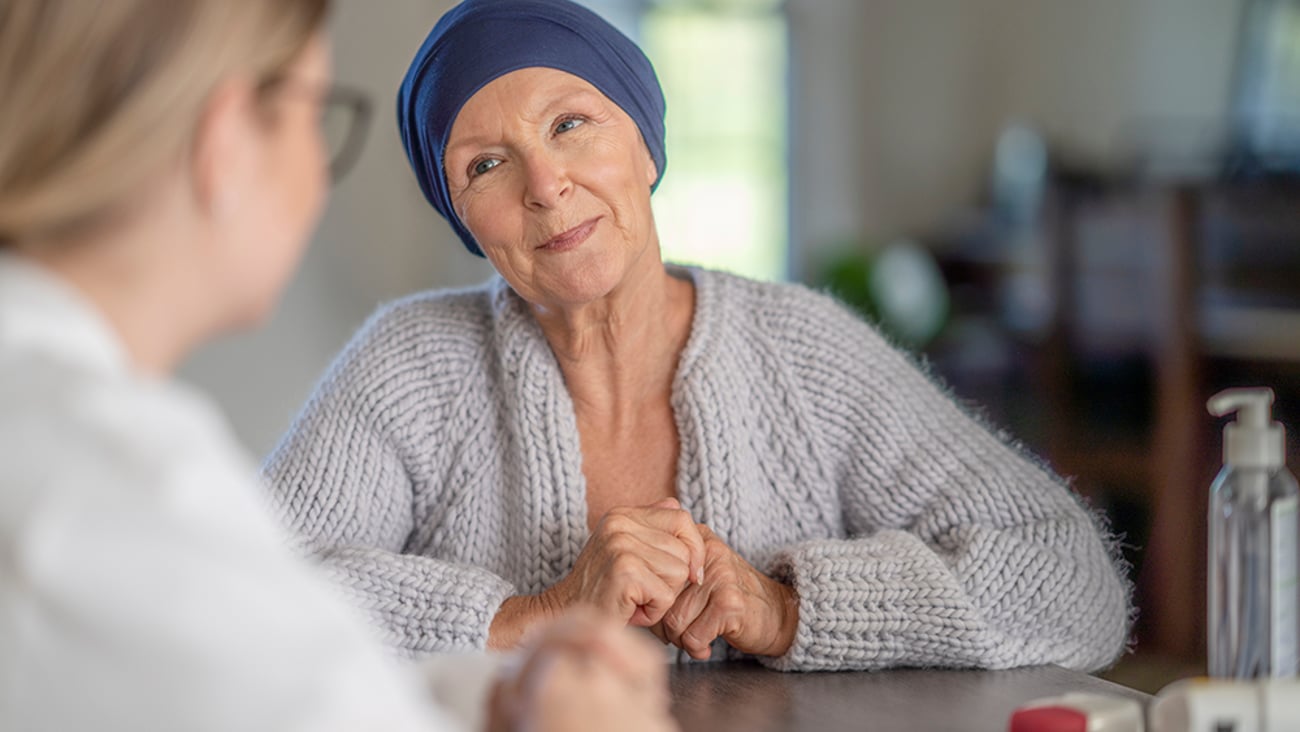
(1105, 328)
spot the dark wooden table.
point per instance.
(717, 697)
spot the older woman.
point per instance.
(731, 463)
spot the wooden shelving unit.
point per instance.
(1157, 294)
(1191, 266)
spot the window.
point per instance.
(723, 202)
(1270, 87)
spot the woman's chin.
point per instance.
(582, 277)
(251, 307)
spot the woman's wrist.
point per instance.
(512, 620)
(786, 602)
(519, 613)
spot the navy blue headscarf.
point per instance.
(480, 40)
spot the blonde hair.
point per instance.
(100, 95)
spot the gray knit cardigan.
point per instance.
(437, 471)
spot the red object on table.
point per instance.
(1049, 719)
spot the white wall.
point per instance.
(897, 103)
(379, 239)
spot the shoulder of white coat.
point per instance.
(94, 436)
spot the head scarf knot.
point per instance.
(480, 40)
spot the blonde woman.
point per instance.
(161, 167)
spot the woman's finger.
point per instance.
(632, 657)
(690, 603)
(678, 523)
(657, 630)
(718, 617)
(665, 516)
(644, 602)
(659, 545)
(585, 633)
(630, 557)
(582, 693)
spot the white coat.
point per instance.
(143, 584)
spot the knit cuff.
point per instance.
(424, 605)
(873, 603)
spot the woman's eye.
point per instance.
(483, 166)
(567, 124)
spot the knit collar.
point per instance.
(512, 312)
(554, 489)
(40, 312)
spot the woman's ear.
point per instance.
(222, 151)
(652, 170)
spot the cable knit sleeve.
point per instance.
(960, 551)
(348, 475)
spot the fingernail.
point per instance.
(699, 576)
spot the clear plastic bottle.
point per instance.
(1254, 597)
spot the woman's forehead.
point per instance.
(521, 95)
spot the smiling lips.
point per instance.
(572, 238)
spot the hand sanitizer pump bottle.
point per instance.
(1254, 524)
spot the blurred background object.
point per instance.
(1084, 215)
(898, 287)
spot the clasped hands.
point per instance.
(654, 567)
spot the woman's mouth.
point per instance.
(572, 238)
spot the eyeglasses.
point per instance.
(345, 117)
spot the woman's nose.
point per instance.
(546, 180)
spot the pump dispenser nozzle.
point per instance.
(1254, 440)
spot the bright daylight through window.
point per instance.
(723, 203)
